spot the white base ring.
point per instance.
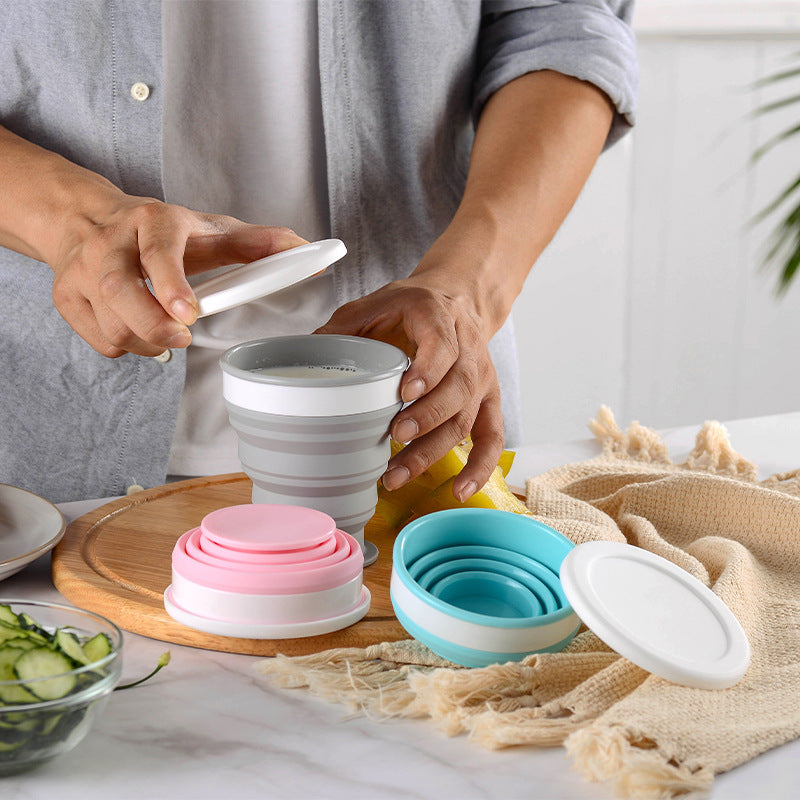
(295, 630)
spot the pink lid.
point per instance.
(267, 528)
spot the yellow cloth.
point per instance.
(650, 738)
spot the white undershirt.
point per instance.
(242, 136)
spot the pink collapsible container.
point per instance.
(267, 571)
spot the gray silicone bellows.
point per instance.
(328, 463)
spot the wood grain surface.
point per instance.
(116, 561)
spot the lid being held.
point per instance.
(266, 276)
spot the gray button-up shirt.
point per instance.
(402, 85)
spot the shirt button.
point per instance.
(162, 358)
(140, 91)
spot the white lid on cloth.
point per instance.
(655, 614)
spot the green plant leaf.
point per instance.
(792, 72)
(777, 139)
(784, 243)
(778, 201)
(789, 269)
(775, 105)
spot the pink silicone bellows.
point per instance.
(255, 557)
(267, 549)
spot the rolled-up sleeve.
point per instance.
(588, 39)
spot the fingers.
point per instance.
(224, 240)
(100, 285)
(251, 242)
(162, 243)
(448, 379)
(170, 246)
(487, 445)
(443, 348)
(130, 318)
(451, 381)
(482, 420)
(81, 318)
(453, 384)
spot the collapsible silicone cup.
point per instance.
(220, 587)
(460, 635)
(543, 593)
(319, 442)
(487, 593)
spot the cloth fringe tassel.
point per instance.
(633, 765)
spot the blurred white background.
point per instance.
(652, 299)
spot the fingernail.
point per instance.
(467, 491)
(183, 311)
(180, 339)
(395, 478)
(412, 390)
(405, 431)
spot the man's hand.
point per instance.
(101, 267)
(103, 244)
(451, 380)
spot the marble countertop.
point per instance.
(208, 727)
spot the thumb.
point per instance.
(162, 262)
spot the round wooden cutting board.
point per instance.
(116, 561)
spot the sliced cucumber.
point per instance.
(69, 645)
(38, 665)
(32, 627)
(13, 695)
(10, 631)
(49, 723)
(7, 615)
(25, 725)
(8, 634)
(21, 644)
(8, 656)
(97, 648)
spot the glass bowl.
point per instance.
(50, 711)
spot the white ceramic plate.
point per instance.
(30, 526)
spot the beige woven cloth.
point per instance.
(648, 737)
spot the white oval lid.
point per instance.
(266, 276)
(655, 614)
